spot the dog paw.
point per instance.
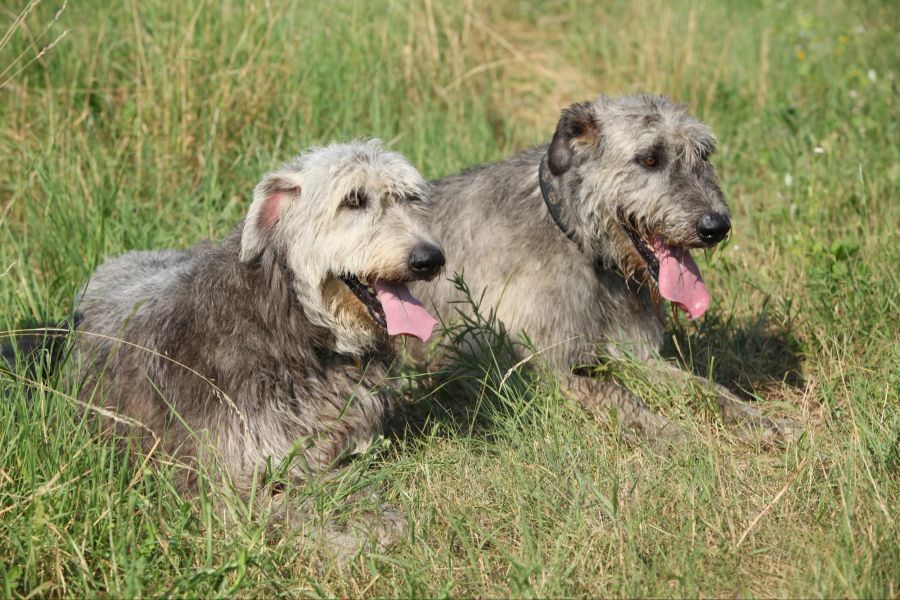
(771, 432)
(388, 527)
(781, 432)
(750, 424)
(376, 530)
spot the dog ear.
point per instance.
(577, 127)
(269, 198)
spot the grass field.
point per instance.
(147, 123)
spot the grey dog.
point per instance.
(275, 342)
(573, 242)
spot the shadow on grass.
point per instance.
(476, 381)
(750, 355)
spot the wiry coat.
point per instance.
(580, 289)
(500, 237)
(255, 349)
(206, 352)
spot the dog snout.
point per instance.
(713, 227)
(426, 260)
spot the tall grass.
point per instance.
(145, 124)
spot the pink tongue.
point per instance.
(404, 314)
(680, 280)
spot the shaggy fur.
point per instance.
(250, 350)
(577, 284)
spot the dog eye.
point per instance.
(650, 162)
(415, 199)
(355, 199)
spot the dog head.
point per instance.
(638, 188)
(348, 220)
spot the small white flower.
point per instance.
(872, 75)
(853, 94)
(819, 150)
(788, 179)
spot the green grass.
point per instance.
(149, 122)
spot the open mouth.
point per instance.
(645, 251)
(673, 269)
(392, 306)
(368, 297)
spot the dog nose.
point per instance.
(426, 260)
(713, 227)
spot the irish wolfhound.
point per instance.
(572, 243)
(273, 343)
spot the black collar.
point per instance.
(550, 194)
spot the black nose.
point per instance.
(713, 227)
(426, 260)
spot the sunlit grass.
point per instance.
(146, 124)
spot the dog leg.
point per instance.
(746, 420)
(599, 397)
(373, 530)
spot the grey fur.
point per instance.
(239, 353)
(579, 288)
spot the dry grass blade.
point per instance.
(796, 473)
(19, 61)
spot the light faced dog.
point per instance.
(275, 342)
